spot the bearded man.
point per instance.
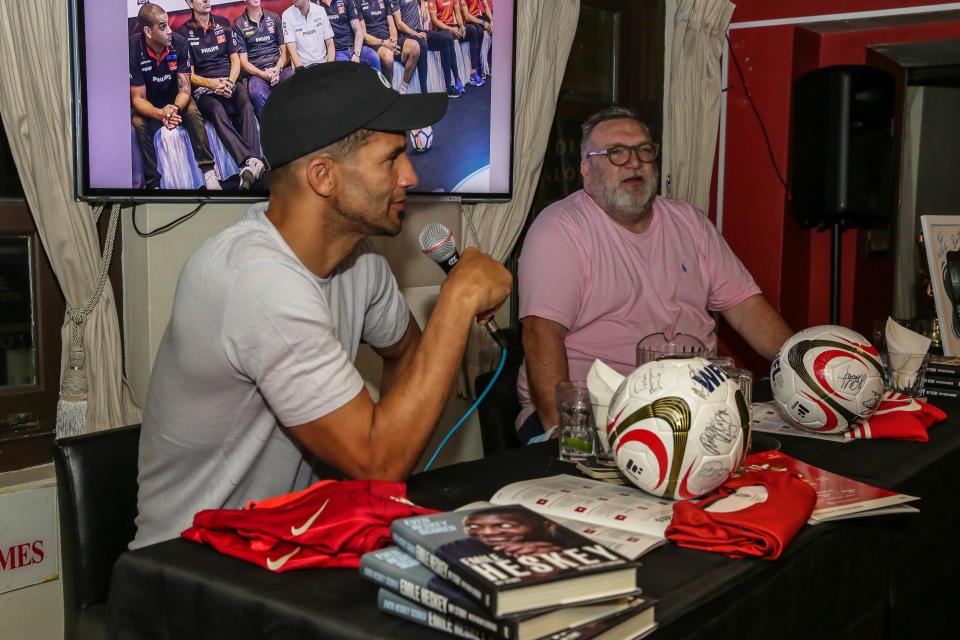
(615, 262)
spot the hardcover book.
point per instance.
(944, 366)
(634, 624)
(402, 574)
(390, 602)
(940, 392)
(941, 381)
(511, 560)
(838, 497)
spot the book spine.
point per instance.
(414, 582)
(938, 392)
(943, 382)
(409, 541)
(947, 371)
(399, 606)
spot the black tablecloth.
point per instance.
(887, 576)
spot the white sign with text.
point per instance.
(28, 537)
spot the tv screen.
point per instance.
(132, 146)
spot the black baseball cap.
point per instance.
(326, 102)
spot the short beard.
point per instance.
(623, 205)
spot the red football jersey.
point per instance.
(444, 9)
(473, 7)
(330, 524)
(760, 520)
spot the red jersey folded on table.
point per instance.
(330, 524)
(756, 514)
(898, 416)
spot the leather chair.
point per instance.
(499, 409)
(97, 499)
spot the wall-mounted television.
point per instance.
(125, 151)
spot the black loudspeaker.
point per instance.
(841, 160)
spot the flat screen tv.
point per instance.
(470, 149)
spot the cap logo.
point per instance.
(383, 80)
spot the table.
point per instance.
(876, 577)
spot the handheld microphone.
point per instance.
(437, 242)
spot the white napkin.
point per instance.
(602, 382)
(905, 351)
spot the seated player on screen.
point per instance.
(445, 17)
(263, 57)
(411, 16)
(347, 28)
(160, 93)
(307, 34)
(610, 264)
(381, 36)
(472, 11)
(215, 58)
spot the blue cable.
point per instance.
(503, 360)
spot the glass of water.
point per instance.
(577, 433)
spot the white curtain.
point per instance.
(35, 98)
(693, 112)
(544, 35)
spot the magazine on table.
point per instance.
(765, 417)
(838, 497)
(623, 518)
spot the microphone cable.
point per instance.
(503, 360)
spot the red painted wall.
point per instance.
(750, 10)
(790, 264)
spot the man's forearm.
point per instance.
(253, 69)
(759, 324)
(546, 361)
(147, 110)
(357, 36)
(234, 68)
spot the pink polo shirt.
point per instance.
(610, 286)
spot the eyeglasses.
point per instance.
(619, 154)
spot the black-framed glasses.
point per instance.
(619, 154)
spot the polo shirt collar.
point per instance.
(146, 47)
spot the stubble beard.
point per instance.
(623, 205)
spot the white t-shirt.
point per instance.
(310, 32)
(256, 342)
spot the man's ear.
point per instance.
(322, 175)
(585, 172)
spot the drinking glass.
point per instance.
(577, 432)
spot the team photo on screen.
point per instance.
(200, 72)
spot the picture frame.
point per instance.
(941, 240)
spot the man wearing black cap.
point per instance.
(254, 388)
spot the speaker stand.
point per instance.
(837, 241)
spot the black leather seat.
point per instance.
(97, 498)
(499, 409)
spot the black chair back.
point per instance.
(499, 409)
(97, 499)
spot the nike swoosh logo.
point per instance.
(306, 525)
(273, 565)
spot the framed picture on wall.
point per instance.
(941, 237)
